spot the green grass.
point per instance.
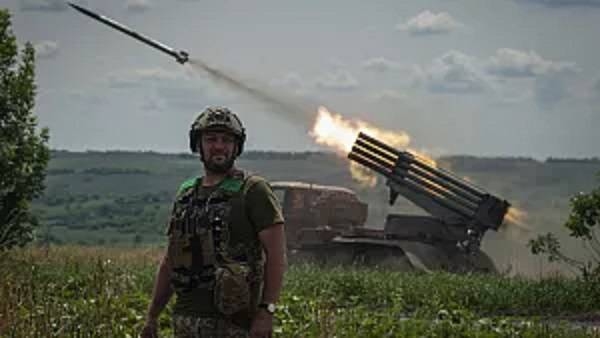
(100, 292)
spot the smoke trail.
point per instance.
(294, 109)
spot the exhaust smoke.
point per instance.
(293, 109)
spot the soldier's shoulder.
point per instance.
(187, 185)
(241, 181)
(256, 182)
(253, 178)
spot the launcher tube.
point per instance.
(409, 166)
(452, 179)
(440, 191)
(444, 184)
(438, 171)
(373, 166)
(377, 167)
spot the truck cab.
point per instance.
(317, 212)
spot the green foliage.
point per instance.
(585, 215)
(92, 292)
(72, 293)
(346, 302)
(547, 244)
(23, 150)
(582, 223)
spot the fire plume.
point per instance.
(516, 216)
(335, 131)
(363, 175)
(515, 227)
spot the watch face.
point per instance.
(270, 307)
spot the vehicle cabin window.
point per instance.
(280, 194)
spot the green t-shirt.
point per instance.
(261, 209)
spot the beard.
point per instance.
(220, 167)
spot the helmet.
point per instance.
(219, 119)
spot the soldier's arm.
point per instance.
(162, 291)
(273, 241)
(265, 213)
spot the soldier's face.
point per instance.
(219, 150)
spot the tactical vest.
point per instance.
(200, 251)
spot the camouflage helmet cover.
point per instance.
(218, 119)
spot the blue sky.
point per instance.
(479, 77)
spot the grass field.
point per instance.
(73, 291)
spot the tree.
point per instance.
(24, 152)
(583, 223)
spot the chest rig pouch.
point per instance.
(199, 246)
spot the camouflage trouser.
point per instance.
(199, 327)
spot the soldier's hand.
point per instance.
(262, 325)
(149, 330)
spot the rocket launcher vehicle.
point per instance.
(462, 212)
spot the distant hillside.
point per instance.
(123, 198)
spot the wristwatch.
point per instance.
(270, 307)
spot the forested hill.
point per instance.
(123, 198)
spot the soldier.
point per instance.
(226, 254)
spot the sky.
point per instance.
(478, 77)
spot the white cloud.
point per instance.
(380, 64)
(427, 22)
(43, 5)
(512, 90)
(291, 82)
(515, 63)
(453, 72)
(338, 79)
(550, 77)
(178, 90)
(510, 75)
(46, 49)
(137, 6)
